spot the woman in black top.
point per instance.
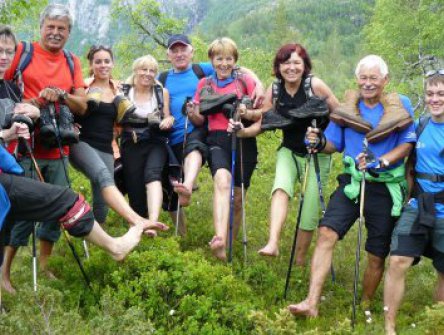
(93, 155)
(295, 85)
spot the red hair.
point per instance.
(284, 53)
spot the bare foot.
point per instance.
(184, 194)
(269, 250)
(303, 309)
(7, 286)
(217, 246)
(124, 244)
(390, 330)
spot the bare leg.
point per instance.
(9, 255)
(182, 221)
(192, 165)
(439, 294)
(120, 247)
(221, 212)
(372, 276)
(117, 201)
(45, 251)
(278, 214)
(320, 268)
(302, 245)
(394, 289)
(154, 199)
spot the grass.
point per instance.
(64, 306)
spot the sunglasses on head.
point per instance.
(434, 72)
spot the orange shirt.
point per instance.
(46, 69)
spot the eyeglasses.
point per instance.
(434, 72)
(7, 52)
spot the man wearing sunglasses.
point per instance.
(51, 76)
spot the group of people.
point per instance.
(212, 112)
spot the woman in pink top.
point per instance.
(223, 55)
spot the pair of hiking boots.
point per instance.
(126, 114)
(314, 107)
(394, 119)
(57, 126)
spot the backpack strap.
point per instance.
(198, 71)
(25, 59)
(422, 123)
(275, 92)
(158, 92)
(307, 86)
(70, 60)
(163, 77)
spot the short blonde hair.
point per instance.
(224, 46)
(144, 61)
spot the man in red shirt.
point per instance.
(48, 78)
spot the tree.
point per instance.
(403, 32)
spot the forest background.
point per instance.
(173, 285)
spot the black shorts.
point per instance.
(342, 213)
(410, 243)
(219, 144)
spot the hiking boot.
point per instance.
(212, 103)
(94, 96)
(48, 132)
(125, 108)
(272, 120)
(154, 119)
(347, 113)
(394, 119)
(6, 111)
(314, 107)
(69, 133)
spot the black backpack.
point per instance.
(197, 69)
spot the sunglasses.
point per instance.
(434, 72)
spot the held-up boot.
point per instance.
(125, 109)
(272, 120)
(347, 113)
(69, 133)
(211, 102)
(154, 119)
(48, 132)
(394, 119)
(94, 96)
(312, 108)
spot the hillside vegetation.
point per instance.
(171, 285)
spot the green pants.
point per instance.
(287, 173)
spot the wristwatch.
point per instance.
(383, 162)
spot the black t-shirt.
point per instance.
(9, 90)
(293, 137)
(97, 127)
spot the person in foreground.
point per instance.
(46, 201)
(385, 121)
(292, 67)
(420, 230)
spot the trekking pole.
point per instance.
(244, 223)
(70, 244)
(59, 144)
(24, 142)
(298, 221)
(182, 177)
(231, 110)
(321, 195)
(358, 246)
